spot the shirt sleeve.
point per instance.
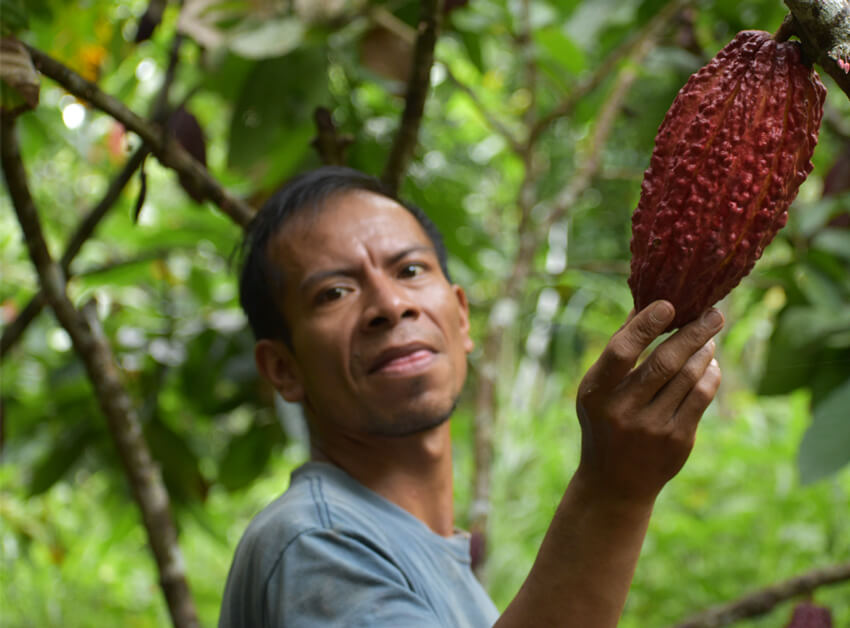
(328, 578)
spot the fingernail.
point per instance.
(713, 319)
(661, 313)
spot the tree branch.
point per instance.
(84, 230)
(93, 348)
(591, 82)
(823, 27)
(763, 601)
(494, 123)
(531, 238)
(407, 135)
(14, 331)
(167, 150)
(328, 142)
(589, 163)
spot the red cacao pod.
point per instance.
(808, 615)
(729, 158)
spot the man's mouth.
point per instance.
(404, 360)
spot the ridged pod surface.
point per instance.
(729, 158)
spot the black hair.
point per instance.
(260, 282)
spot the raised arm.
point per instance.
(638, 428)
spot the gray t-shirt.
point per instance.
(330, 552)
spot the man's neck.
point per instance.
(414, 472)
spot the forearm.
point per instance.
(582, 574)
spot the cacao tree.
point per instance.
(139, 137)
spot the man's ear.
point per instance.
(276, 364)
(463, 304)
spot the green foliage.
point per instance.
(825, 444)
(738, 517)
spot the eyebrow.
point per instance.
(350, 271)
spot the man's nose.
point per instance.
(388, 302)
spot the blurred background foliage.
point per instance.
(765, 495)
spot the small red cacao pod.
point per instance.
(729, 158)
(808, 615)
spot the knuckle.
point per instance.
(620, 350)
(663, 366)
(645, 329)
(692, 373)
(705, 389)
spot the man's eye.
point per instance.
(330, 294)
(411, 270)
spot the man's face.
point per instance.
(379, 336)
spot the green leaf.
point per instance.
(246, 456)
(59, 460)
(178, 462)
(826, 444)
(800, 352)
(472, 44)
(263, 39)
(834, 241)
(560, 49)
(13, 16)
(272, 123)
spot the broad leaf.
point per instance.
(826, 444)
(246, 456)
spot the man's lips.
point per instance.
(402, 360)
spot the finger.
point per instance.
(671, 356)
(690, 411)
(670, 397)
(625, 346)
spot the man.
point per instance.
(347, 292)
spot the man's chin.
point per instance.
(411, 424)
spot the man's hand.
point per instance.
(639, 423)
(638, 427)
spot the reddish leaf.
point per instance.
(150, 20)
(188, 132)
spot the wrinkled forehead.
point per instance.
(340, 227)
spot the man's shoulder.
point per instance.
(319, 497)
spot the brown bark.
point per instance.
(823, 27)
(15, 330)
(328, 142)
(407, 136)
(122, 420)
(765, 600)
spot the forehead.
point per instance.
(345, 227)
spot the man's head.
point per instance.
(302, 195)
(347, 293)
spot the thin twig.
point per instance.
(407, 135)
(95, 352)
(765, 600)
(166, 149)
(141, 258)
(529, 58)
(492, 121)
(329, 143)
(590, 162)
(605, 69)
(531, 238)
